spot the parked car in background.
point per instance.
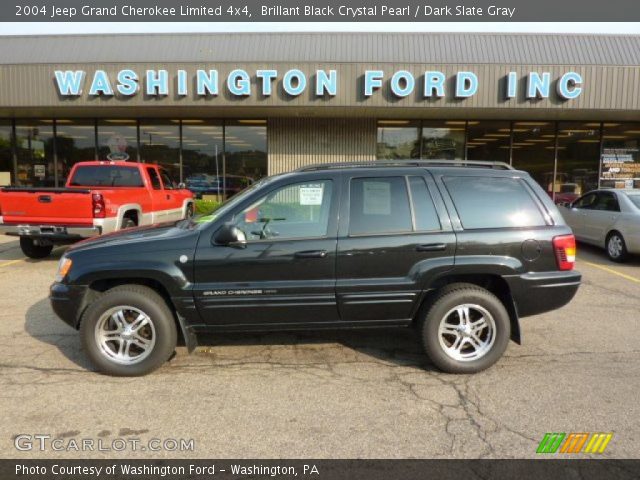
(459, 250)
(566, 193)
(607, 218)
(99, 197)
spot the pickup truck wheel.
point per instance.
(127, 223)
(31, 250)
(466, 329)
(129, 331)
(616, 248)
(189, 212)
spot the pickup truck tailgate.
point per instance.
(46, 206)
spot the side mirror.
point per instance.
(182, 185)
(230, 236)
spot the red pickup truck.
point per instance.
(99, 197)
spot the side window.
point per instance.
(155, 180)
(424, 211)
(587, 202)
(607, 201)
(493, 202)
(168, 182)
(379, 205)
(300, 210)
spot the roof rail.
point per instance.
(407, 163)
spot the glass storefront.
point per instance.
(118, 139)
(489, 140)
(398, 139)
(160, 144)
(578, 159)
(75, 142)
(34, 151)
(203, 156)
(6, 154)
(443, 140)
(533, 151)
(245, 154)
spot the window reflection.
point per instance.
(160, 144)
(245, 154)
(488, 140)
(398, 139)
(202, 157)
(75, 142)
(6, 160)
(118, 139)
(578, 157)
(533, 151)
(34, 149)
(443, 140)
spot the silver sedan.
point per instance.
(607, 218)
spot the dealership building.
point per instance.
(241, 106)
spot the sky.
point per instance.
(171, 27)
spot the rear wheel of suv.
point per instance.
(128, 331)
(616, 247)
(31, 250)
(466, 329)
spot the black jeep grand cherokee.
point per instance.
(459, 250)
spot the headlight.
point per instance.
(64, 266)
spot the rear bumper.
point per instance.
(540, 292)
(52, 232)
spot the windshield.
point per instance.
(635, 199)
(232, 202)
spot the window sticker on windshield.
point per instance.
(311, 195)
(376, 198)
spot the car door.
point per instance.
(599, 220)
(575, 214)
(393, 228)
(158, 200)
(285, 273)
(172, 207)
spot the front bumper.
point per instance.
(540, 292)
(52, 232)
(68, 302)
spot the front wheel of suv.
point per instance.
(128, 331)
(466, 329)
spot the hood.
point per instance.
(137, 236)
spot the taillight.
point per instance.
(565, 248)
(98, 206)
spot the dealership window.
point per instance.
(202, 156)
(118, 139)
(621, 155)
(34, 149)
(443, 139)
(245, 145)
(398, 139)
(533, 150)
(75, 142)
(578, 159)
(6, 153)
(160, 144)
(488, 140)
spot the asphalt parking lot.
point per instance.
(356, 394)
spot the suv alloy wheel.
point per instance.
(466, 329)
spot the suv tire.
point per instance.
(466, 329)
(128, 331)
(31, 250)
(616, 247)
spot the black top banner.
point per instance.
(319, 11)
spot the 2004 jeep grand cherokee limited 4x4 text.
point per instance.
(459, 250)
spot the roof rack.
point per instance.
(407, 163)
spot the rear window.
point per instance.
(635, 199)
(493, 202)
(107, 176)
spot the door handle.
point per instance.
(168, 197)
(311, 254)
(431, 247)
